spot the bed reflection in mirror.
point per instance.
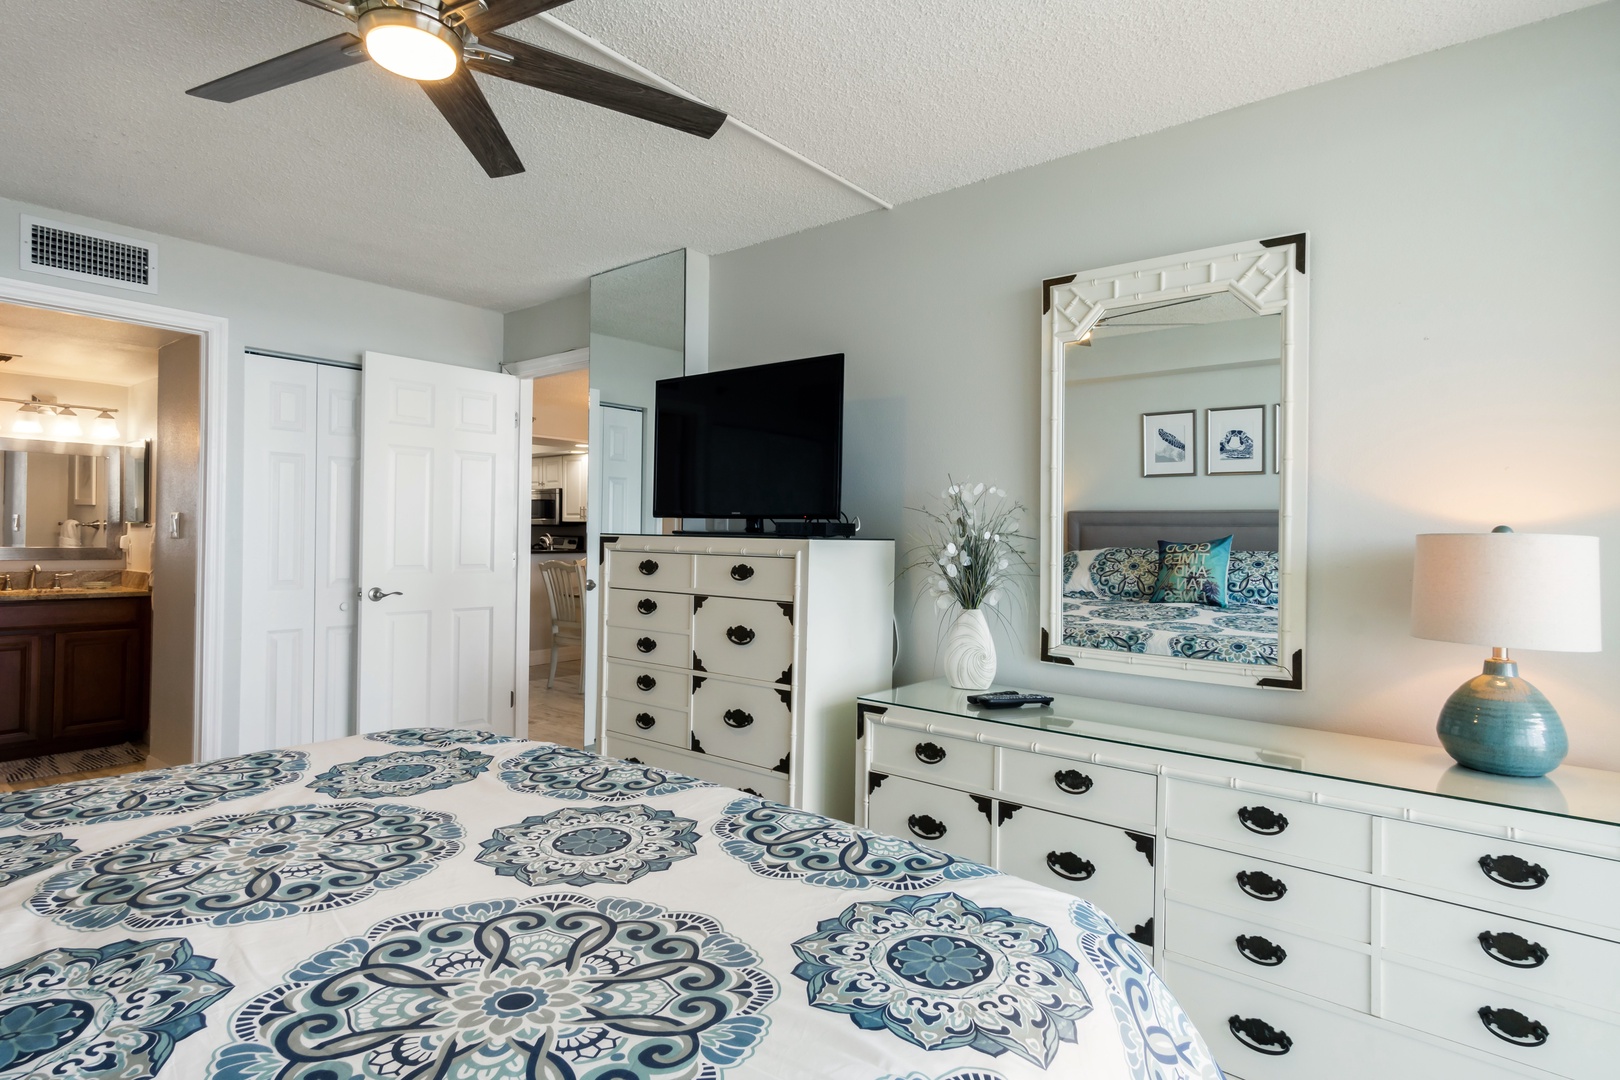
(1164, 515)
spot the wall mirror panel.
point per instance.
(1173, 453)
(64, 500)
(638, 336)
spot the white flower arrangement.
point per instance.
(971, 549)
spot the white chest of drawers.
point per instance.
(1325, 906)
(737, 659)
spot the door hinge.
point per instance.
(517, 419)
(513, 702)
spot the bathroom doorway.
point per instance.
(101, 455)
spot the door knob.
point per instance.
(590, 586)
(378, 594)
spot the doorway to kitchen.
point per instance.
(557, 389)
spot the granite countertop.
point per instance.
(68, 592)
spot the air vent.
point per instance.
(50, 247)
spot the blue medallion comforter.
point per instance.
(455, 905)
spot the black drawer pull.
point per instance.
(1257, 950)
(645, 682)
(1262, 819)
(648, 567)
(1259, 1036)
(925, 827)
(930, 753)
(645, 644)
(1261, 885)
(741, 572)
(646, 605)
(739, 635)
(1512, 1026)
(1072, 781)
(1069, 866)
(1512, 950)
(736, 718)
(1513, 872)
(644, 720)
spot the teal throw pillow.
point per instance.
(1193, 573)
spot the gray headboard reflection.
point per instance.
(1251, 530)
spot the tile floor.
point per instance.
(557, 715)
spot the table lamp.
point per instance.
(1506, 590)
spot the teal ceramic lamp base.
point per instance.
(1498, 723)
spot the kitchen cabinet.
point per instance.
(574, 471)
(549, 471)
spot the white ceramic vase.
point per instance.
(970, 652)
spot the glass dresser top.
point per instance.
(1569, 791)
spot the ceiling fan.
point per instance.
(439, 44)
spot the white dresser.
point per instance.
(737, 659)
(1324, 906)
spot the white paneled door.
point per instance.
(438, 547)
(301, 449)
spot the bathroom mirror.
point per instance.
(135, 464)
(1173, 452)
(63, 501)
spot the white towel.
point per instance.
(67, 534)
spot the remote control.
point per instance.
(1008, 699)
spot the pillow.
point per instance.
(1076, 581)
(1120, 573)
(1251, 578)
(1193, 573)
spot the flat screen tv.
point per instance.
(753, 442)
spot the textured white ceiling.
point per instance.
(356, 173)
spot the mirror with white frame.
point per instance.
(1173, 454)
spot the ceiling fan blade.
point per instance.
(463, 104)
(546, 70)
(499, 13)
(333, 54)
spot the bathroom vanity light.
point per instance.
(29, 420)
(65, 425)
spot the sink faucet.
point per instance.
(56, 578)
(33, 578)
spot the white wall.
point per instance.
(1465, 340)
(1102, 450)
(284, 308)
(559, 325)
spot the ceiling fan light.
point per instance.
(411, 44)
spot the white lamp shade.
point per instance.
(1509, 590)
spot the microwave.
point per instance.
(545, 506)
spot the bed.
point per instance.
(452, 904)
(1110, 565)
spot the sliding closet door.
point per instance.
(278, 553)
(438, 546)
(337, 551)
